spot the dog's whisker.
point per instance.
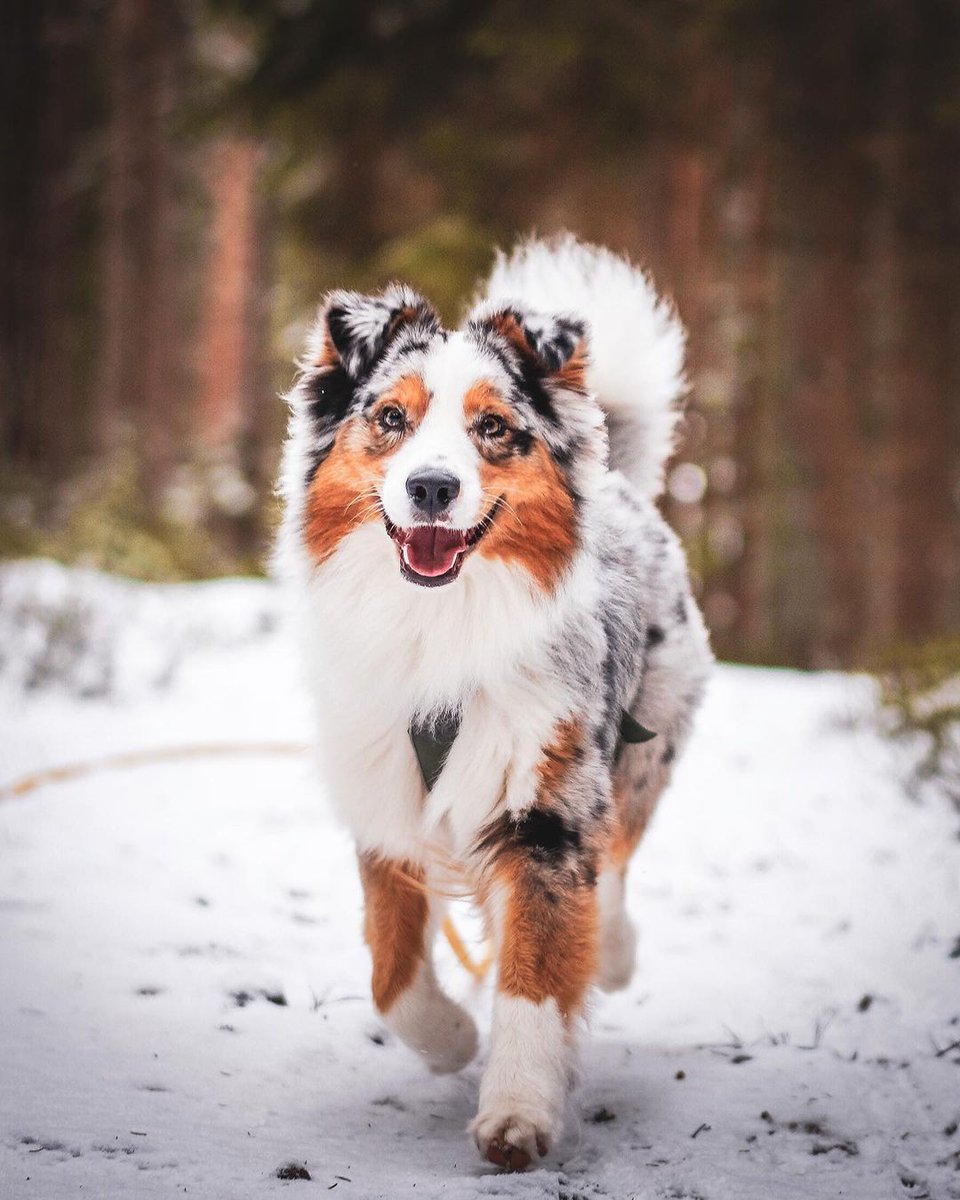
(357, 498)
(491, 501)
(366, 513)
(509, 507)
(370, 493)
(367, 493)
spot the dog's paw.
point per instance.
(618, 953)
(452, 1041)
(436, 1027)
(509, 1142)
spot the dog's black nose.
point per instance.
(432, 491)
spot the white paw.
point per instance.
(453, 1042)
(523, 1092)
(428, 1021)
(511, 1141)
(618, 953)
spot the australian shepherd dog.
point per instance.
(479, 566)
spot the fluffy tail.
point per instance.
(636, 342)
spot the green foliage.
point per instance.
(407, 141)
(436, 259)
(103, 521)
(920, 701)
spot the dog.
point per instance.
(478, 565)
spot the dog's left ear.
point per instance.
(355, 331)
(554, 347)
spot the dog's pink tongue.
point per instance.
(432, 550)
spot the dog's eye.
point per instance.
(490, 426)
(392, 418)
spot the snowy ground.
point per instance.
(788, 1034)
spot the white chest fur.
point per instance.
(380, 653)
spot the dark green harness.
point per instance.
(432, 742)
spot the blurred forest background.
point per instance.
(182, 179)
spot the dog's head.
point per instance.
(482, 441)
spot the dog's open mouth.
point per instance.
(432, 555)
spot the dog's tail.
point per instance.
(636, 342)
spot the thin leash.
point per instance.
(126, 760)
(431, 742)
(123, 760)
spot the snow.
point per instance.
(798, 917)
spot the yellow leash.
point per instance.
(141, 758)
(477, 969)
(144, 758)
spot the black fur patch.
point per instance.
(340, 332)
(415, 344)
(543, 835)
(556, 348)
(330, 393)
(529, 381)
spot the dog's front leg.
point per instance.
(541, 894)
(399, 927)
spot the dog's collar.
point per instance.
(432, 740)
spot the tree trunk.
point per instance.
(140, 394)
(43, 67)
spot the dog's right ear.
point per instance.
(550, 346)
(355, 331)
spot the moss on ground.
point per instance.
(920, 700)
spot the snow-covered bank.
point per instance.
(787, 1035)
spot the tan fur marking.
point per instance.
(342, 494)
(328, 356)
(409, 393)
(395, 920)
(405, 316)
(565, 750)
(537, 527)
(631, 815)
(549, 937)
(573, 373)
(507, 325)
(483, 397)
